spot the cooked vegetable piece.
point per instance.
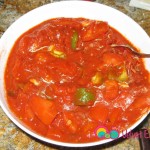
(70, 121)
(84, 96)
(94, 30)
(114, 114)
(112, 59)
(111, 89)
(56, 53)
(97, 78)
(142, 101)
(44, 109)
(99, 113)
(118, 73)
(89, 126)
(74, 40)
(123, 76)
(35, 82)
(124, 84)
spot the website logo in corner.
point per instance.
(103, 133)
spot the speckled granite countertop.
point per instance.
(11, 137)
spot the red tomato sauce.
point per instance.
(64, 79)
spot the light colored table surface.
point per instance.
(11, 137)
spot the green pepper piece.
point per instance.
(74, 40)
(124, 76)
(97, 79)
(56, 53)
(84, 96)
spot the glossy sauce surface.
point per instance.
(64, 79)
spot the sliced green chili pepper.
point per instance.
(84, 96)
(74, 40)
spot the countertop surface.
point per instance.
(11, 137)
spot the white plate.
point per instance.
(130, 29)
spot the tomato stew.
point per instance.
(64, 79)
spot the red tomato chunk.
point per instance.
(64, 79)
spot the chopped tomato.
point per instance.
(114, 114)
(70, 121)
(112, 59)
(142, 101)
(44, 109)
(94, 30)
(89, 126)
(99, 113)
(111, 89)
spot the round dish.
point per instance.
(69, 9)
